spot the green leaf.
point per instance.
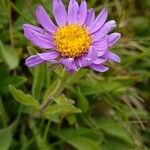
(72, 119)
(61, 109)
(23, 98)
(119, 132)
(3, 116)
(5, 138)
(38, 81)
(82, 101)
(116, 130)
(56, 87)
(77, 76)
(31, 50)
(3, 14)
(82, 143)
(62, 99)
(58, 69)
(48, 75)
(91, 86)
(50, 89)
(7, 80)
(9, 56)
(56, 111)
(113, 143)
(80, 139)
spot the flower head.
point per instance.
(78, 40)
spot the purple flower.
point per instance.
(78, 40)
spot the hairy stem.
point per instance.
(56, 92)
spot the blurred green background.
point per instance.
(115, 105)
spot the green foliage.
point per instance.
(84, 143)
(82, 101)
(38, 81)
(79, 139)
(23, 98)
(7, 79)
(3, 14)
(6, 138)
(9, 56)
(88, 110)
(56, 112)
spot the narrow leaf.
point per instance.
(38, 81)
(82, 101)
(13, 80)
(23, 98)
(50, 89)
(5, 138)
(3, 116)
(60, 109)
(82, 143)
(62, 99)
(9, 56)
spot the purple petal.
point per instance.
(84, 62)
(88, 58)
(99, 61)
(99, 68)
(108, 27)
(113, 57)
(49, 56)
(92, 53)
(73, 11)
(35, 28)
(59, 12)
(99, 21)
(113, 38)
(37, 38)
(33, 61)
(90, 17)
(44, 20)
(78, 61)
(82, 12)
(39, 31)
(69, 64)
(102, 52)
(102, 44)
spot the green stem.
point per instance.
(46, 130)
(19, 12)
(56, 92)
(36, 134)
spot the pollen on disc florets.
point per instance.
(72, 40)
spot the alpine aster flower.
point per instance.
(78, 40)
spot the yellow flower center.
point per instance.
(72, 40)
